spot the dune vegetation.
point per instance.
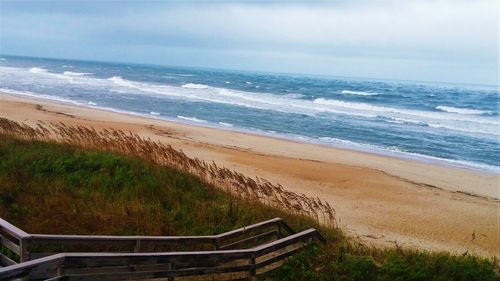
(76, 180)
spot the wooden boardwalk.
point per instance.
(238, 254)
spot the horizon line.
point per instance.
(257, 71)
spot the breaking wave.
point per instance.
(71, 73)
(192, 119)
(359, 93)
(450, 119)
(194, 86)
(461, 110)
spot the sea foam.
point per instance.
(194, 86)
(192, 119)
(71, 73)
(226, 124)
(359, 93)
(38, 70)
(461, 110)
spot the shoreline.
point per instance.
(381, 200)
(353, 146)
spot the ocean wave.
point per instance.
(192, 119)
(466, 129)
(3, 59)
(71, 73)
(91, 103)
(226, 124)
(154, 113)
(464, 123)
(38, 96)
(123, 82)
(179, 74)
(398, 112)
(195, 86)
(405, 121)
(337, 141)
(38, 70)
(67, 75)
(294, 96)
(359, 93)
(401, 152)
(461, 110)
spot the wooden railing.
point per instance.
(15, 240)
(228, 257)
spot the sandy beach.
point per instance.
(379, 199)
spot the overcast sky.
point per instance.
(448, 40)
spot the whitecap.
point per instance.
(194, 86)
(71, 73)
(193, 119)
(337, 140)
(38, 70)
(123, 82)
(91, 103)
(226, 124)
(460, 110)
(359, 93)
(154, 113)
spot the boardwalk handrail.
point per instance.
(49, 238)
(130, 263)
(217, 241)
(13, 230)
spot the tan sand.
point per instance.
(381, 200)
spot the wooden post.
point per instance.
(137, 247)
(23, 249)
(23, 253)
(252, 274)
(170, 267)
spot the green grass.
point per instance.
(54, 188)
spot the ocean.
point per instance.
(452, 124)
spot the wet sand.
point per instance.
(379, 199)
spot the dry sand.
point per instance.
(379, 199)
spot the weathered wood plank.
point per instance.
(283, 242)
(246, 229)
(255, 238)
(13, 230)
(10, 245)
(6, 261)
(46, 238)
(31, 267)
(156, 274)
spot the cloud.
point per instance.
(457, 33)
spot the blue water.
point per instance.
(448, 123)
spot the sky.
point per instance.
(425, 40)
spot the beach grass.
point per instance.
(48, 187)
